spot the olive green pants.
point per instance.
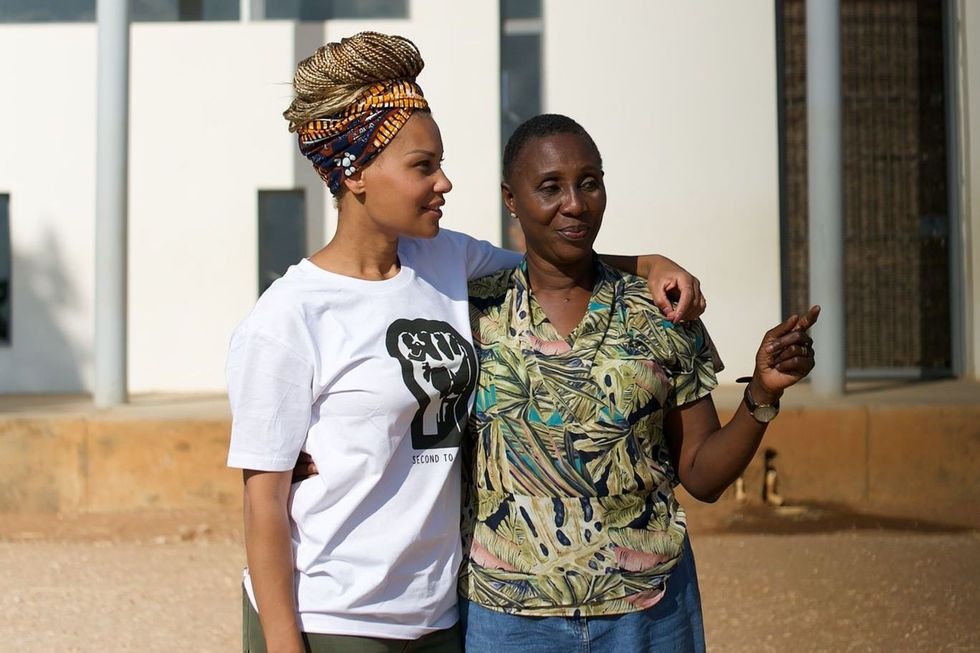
(443, 641)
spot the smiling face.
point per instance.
(402, 189)
(555, 187)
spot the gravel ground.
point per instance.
(171, 583)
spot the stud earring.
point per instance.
(513, 215)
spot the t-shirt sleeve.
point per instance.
(271, 397)
(483, 258)
(694, 364)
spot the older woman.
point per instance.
(590, 407)
(361, 356)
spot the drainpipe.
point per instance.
(111, 179)
(826, 199)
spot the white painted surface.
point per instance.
(680, 97)
(207, 134)
(47, 165)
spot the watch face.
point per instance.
(765, 413)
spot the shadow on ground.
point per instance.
(812, 518)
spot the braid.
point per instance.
(545, 124)
(337, 73)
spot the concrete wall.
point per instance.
(681, 99)
(852, 454)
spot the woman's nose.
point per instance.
(443, 185)
(574, 203)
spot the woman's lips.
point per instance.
(434, 209)
(574, 233)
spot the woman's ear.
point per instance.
(508, 198)
(355, 183)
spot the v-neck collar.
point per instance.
(563, 367)
(531, 322)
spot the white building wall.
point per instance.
(206, 134)
(47, 155)
(680, 97)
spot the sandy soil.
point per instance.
(805, 578)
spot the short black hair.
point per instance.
(541, 125)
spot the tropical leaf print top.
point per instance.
(569, 506)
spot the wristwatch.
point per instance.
(763, 413)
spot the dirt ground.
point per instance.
(800, 578)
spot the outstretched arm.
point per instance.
(668, 283)
(709, 457)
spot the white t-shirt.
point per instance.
(374, 379)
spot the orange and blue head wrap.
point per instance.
(342, 144)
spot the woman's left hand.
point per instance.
(786, 353)
(671, 283)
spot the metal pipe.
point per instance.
(111, 179)
(251, 10)
(826, 199)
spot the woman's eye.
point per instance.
(550, 189)
(424, 165)
(590, 184)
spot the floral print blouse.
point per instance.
(568, 503)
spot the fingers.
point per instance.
(695, 308)
(780, 330)
(809, 318)
(790, 352)
(798, 366)
(690, 302)
(304, 468)
(794, 337)
(660, 298)
(684, 302)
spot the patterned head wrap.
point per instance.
(342, 144)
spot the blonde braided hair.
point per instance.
(337, 73)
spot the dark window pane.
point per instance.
(520, 9)
(520, 99)
(5, 269)
(191, 10)
(73, 11)
(282, 233)
(313, 10)
(46, 11)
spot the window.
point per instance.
(83, 11)
(520, 82)
(282, 233)
(5, 268)
(897, 219)
(313, 10)
(80, 11)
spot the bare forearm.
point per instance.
(638, 265)
(641, 265)
(723, 456)
(721, 453)
(270, 562)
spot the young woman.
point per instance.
(361, 355)
(590, 407)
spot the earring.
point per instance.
(513, 215)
